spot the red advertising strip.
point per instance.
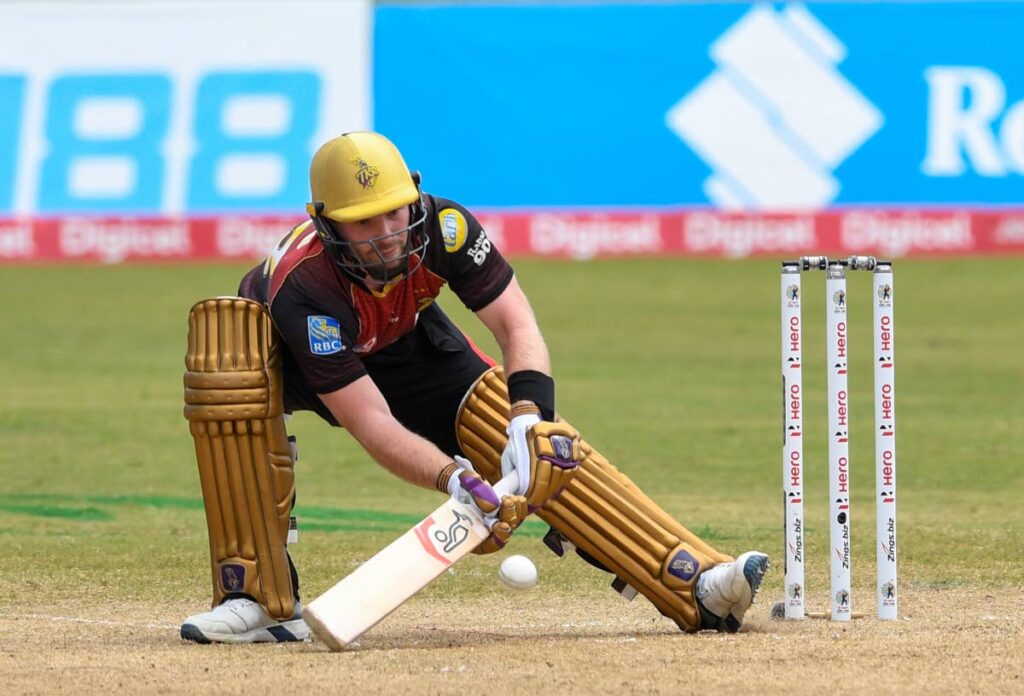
(890, 233)
(885, 232)
(130, 239)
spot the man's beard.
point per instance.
(380, 271)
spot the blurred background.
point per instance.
(182, 131)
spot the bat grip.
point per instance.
(506, 486)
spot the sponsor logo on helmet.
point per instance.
(366, 174)
(453, 229)
(324, 335)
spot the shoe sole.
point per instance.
(754, 570)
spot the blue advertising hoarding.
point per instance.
(737, 106)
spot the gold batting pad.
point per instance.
(601, 511)
(233, 401)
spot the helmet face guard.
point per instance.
(342, 252)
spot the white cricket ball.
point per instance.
(518, 572)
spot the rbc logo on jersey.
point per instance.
(324, 335)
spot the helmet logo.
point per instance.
(366, 174)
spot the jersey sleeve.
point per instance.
(475, 269)
(320, 336)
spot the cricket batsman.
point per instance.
(342, 319)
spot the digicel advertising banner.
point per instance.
(885, 233)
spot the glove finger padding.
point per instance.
(554, 461)
(511, 513)
(462, 482)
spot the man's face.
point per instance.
(380, 241)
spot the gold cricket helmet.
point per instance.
(359, 175)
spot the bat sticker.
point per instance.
(450, 539)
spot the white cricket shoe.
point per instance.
(725, 592)
(243, 621)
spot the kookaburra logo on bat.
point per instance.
(456, 534)
(436, 540)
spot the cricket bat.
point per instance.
(407, 565)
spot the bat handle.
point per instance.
(507, 485)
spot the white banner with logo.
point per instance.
(164, 108)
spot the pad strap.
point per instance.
(601, 511)
(233, 401)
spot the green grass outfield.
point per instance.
(669, 367)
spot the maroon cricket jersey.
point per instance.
(330, 323)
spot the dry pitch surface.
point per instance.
(948, 641)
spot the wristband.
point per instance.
(446, 474)
(531, 385)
